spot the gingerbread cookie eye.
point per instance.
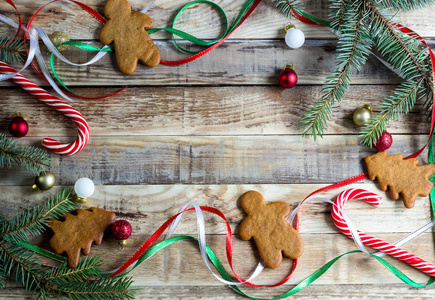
(127, 30)
(267, 225)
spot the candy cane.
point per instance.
(394, 251)
(59, 105)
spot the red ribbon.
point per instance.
(229, 247)
(19, 20)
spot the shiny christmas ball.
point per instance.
(121, 230)
(288, 77)
(362, 115)
(18, 127)
(44, 182)
(384, 141)
(294, 38)
(84, 188)
(59, 37)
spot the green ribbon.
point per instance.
(175, 32)
(221, 269)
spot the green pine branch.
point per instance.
(87, 269)
(107, 288)
(11, 51)
(33, 221)
(2, 274)
(405, 4)
(372, 26)
(400, 49)
(287, 7)
(352, 52)
(32, 159)
(336, 15)
(83, 282)
(393, 107)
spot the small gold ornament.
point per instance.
(121, 243)
(362, 115)
(44, 181)
(59, 37)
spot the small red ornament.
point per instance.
(18, 127)
(121, 230)
(384, 141)
(288, 77)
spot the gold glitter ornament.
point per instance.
(59, 37)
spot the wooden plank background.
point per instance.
(207, 132)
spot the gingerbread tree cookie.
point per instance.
(78, 232)
(127, 30)
(401, 176)
(273, 235)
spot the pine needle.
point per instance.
(11, 52)
(16, 262)
(32, 159)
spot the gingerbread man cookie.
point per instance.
(273, 235)
(127, 30)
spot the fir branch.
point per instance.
(352, 52)
(86, 269)
(33, 221)
(393, 107)
(32, 159)
(336, 15)
(108, 288)
(20, 264)
(2, 274)
(405, 4)
(401, 49)
(287, 7)
(84, 282)
(11, 51)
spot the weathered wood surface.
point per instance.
(207, 132)
(245, 63)
(147, 206)
(213, 159)
(183, 111)
(200, 20)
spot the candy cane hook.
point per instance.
(59, 105)
(394, 251)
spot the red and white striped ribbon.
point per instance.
(59, 105)
(375, 243)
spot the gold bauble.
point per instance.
(44, 181)
(121, 243)
(362, 115)
(59, 37)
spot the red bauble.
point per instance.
(121, 230)
(18, 127)
(288, 77)
(384, 141)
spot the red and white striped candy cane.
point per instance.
(60, 106)
(363, 195)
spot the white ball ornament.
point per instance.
(294, 38)
(84, 188)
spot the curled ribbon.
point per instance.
(375, 243)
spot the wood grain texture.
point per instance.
(211, 130)
(213, 159)
(146, 207)
(200, 20)
(239, 62)
(183, 111)
(319, 292)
